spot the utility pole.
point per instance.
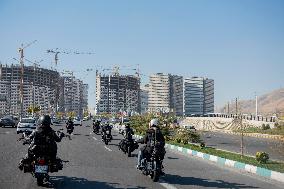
(240, 122)
(256, 106)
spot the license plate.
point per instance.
(107, 132)
(41, 168)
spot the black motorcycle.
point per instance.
(128, 146)
(41, 164)
(152, 164)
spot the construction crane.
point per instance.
(35, 63)
(21, 51)
(57, 51)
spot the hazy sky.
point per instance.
(239, 44)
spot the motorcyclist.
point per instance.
(153, 133)
(43, 140)
(128, 132)
(70, 123)
(105, 128)
(96, 125)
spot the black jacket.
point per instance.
(149, 138)
(128, 133)
(106, 127)
(44, 139)
(69, 123)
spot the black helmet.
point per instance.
(127, 125)
(45, 120)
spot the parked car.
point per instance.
(26, 124)
(77, 121)
(8, 121)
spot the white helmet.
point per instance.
(153, 122)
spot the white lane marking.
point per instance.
(166, 185)
(108, 149)
(95, 138)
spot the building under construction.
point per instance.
(40, 88)
(117, 93)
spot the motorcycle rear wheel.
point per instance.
(39, 181)
(129, 151)
(155, 176)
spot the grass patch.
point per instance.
(271, 165)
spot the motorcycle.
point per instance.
(40, 165)
(96, 129)
(152, 164)
(106, 136)
(128, 146)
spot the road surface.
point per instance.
(94, 165)
(251, 144)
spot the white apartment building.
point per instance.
(198, 96)
(166, 93)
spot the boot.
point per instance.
(21, 164)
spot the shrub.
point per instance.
(265, 127)
(262, 157)
(185, 136)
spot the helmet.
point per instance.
(70, 118)
(127, 125)
(154, 122)
(45, 120)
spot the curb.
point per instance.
(227, 162)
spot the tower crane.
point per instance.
(57, 51)
(21, 51)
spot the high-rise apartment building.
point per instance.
(85, 97)
(165, 93)
(117, 93)
(198, 96)
(74, 96)
(144, 95)
(40, 88)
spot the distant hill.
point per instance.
(268, 104)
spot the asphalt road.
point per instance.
(229, 142)
(94, 165)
